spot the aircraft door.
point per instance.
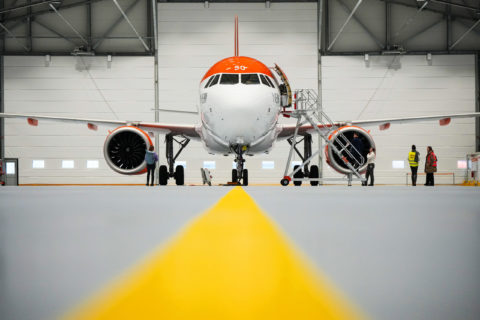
(284, 86)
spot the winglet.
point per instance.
(445, 121)
(32, 122)
(236, 36)
(384, 126)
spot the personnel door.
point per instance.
(10, 172)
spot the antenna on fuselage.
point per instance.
(236, 36)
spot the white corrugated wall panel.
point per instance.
(87, 87)
(387, 87)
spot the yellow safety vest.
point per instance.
(411, 159)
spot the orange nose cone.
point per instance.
(238, 65)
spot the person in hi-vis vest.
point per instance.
(413, 160)
(430, 166)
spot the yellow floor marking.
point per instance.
(230, 263)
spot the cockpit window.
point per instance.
(250, 78)
(264, 80)
(228, 78)
(215, 80)
(270, 81)
(209, 81)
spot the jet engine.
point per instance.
(334, 161)
(125, 149)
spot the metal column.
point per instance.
(2, 120)
(477, 99)
(155, 70)
(320, 10)
(388, 25)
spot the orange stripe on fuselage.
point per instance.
(238, 65)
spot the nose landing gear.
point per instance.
(240, 175)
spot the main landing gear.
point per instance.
(308, 172)
(178, 173)
(240, 175)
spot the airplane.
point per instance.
(241, 101)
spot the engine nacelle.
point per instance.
(125, 149)
(334, 161)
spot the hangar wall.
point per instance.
(87, 87)
(399, 86)
(192, 38)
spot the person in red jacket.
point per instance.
(430, 166)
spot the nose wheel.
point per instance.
(240, 175)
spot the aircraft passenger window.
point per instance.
(208, 82)
(215, 80)
(264, 81)
(228, 78)
(250, 78)
(270, 81)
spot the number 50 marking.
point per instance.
(243, 68)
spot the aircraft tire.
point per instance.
(234, 175)
(245, 177)
(299, 174)
(314, 174)
(163, 175)
(179, 175)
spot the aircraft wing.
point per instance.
(384, 124)
(92, 124)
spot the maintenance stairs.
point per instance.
(306, 109)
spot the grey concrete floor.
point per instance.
(397, 252)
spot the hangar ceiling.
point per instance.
(125, 27)
(76, 27)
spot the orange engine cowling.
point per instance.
(334, 161)
(125, 148)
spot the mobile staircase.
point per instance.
(306, 110)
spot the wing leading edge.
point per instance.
(384, 124)
(92, 124)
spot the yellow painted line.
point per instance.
(230, 263)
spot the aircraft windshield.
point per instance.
(264, 81)
(214, 81)
(270, 81)
(228, 78)
(209, 81)
(250, 78)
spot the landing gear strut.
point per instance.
(177, 173)
(240, 175)
(308, 172)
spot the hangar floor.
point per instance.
(395, 252)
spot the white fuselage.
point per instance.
(239, 114)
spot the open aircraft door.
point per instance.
(284, 86)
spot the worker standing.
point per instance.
(356, 150)
(370, 167)
(413, 160)
(151, 158)
(430, 166)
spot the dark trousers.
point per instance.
(414, 175)
(150, 172)
(369, 174)
(430, 179)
